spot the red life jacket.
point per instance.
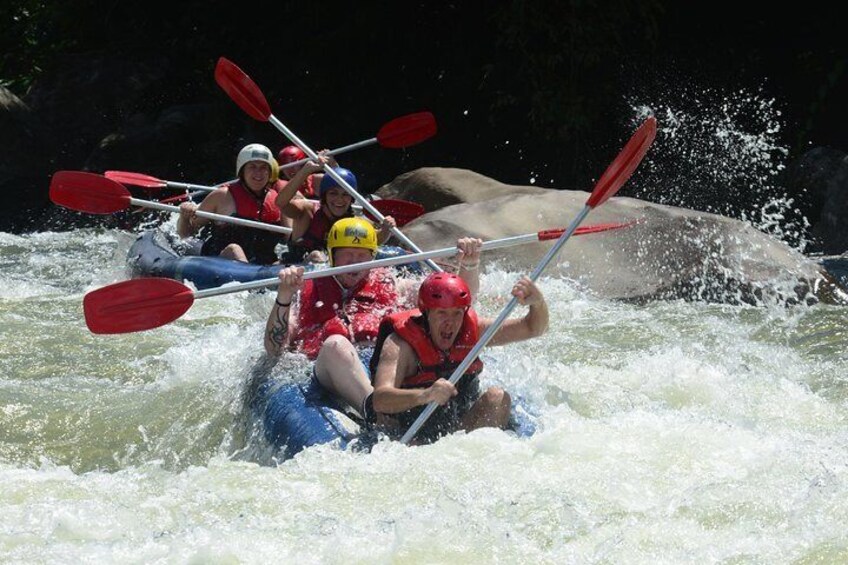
(308, 188)
(324, 312)
(248, 205)
(433, 363)
(257, 244)
(315, 236)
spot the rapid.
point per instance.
(666, 432)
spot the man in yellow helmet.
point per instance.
(337, 318)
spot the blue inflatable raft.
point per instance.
(156, 253)
(296, 414)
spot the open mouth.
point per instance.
(447, 335)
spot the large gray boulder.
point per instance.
(437, 187)
(668, 253)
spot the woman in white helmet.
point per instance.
(251, 197)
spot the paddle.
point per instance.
(396, 134)
(147, 303)
(147, 181)
(399, 133)
(401, 210)
(610, 182)
(94, 194)
(247, 95)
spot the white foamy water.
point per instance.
(721, 152)
(670, 432)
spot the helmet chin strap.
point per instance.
(259, 195)
(345, 290)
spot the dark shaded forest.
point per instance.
(538, 91)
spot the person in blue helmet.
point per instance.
(311, 221)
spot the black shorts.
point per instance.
(445, 419)
(259, 248)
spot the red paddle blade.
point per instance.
(177, 198)
(625, 163)
(407, 130)
(402, 211)
(135, 179)
(598, 228)
(136, 305)
(547, 235)
(241, 88)
(87, 192)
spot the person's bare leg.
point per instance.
(339, 371)
(490, 411)
(234, 251)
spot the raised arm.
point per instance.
(469, 262)
(533, 324)
(279, 326)
(287, 193)
(469, 271)
(384, 230)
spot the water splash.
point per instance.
(721, 152)
(668, 432)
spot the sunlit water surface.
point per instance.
(668, 432)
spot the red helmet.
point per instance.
(443, 290)
(290, 154)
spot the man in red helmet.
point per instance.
(418, 350)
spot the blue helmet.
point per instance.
(328, 182)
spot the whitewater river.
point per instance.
(670, 432)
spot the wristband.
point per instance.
(281, 305)
(470, 267)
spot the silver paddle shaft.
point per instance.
(490, 333)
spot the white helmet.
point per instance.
(256, 152)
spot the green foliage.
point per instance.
(29, 41)
(558, 55)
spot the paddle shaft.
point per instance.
(615, 175)
(387, 262)
(200, 189)
(490, 333)
(197, 187)
(211, 216)
(343, 183)
(336, 151)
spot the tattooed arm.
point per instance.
(278, 326)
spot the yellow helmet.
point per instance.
(352, 232)
(257, 152)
